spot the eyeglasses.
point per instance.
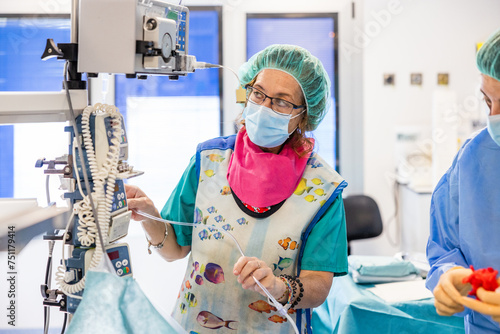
(277, 104)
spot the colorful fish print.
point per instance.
(322, 202)
(291, 311)
(199, 280)
(198, 217)
(214, 273)
(283, 263)
(218, 236)
(310, 198)
(288, 243)
(192, 274)
(227, 227)
(320, 192)
(215, 157)
(261, 306)
(191, 299)
(225, 190)
(202, 269)
(188, 285)
(196, 266)
(314, 162)
(242, 221)
(219, 219)
(302, 187)
(204, 235)
(212, 209)
(212, 229)
(193, 332)
(209, 320)
(317, 181)
(277, 319)
(183, 308)
(209, 172)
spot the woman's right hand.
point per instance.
(449, 291)
(137, 200)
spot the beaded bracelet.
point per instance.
(294, 282)
(299, 297)
(288, 289)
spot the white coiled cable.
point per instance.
(87, 229)
(61, 270)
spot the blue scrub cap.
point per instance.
(488, 57)
(300, 64)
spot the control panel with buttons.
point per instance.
(119, 255)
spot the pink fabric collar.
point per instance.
(260, 178)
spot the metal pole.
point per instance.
(75, 12)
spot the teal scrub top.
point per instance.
(326, 246)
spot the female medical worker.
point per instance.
(465, 208)
(279, 200)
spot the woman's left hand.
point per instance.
(246, 267)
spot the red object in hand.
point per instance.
(485, 278)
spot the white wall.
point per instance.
(425, 36)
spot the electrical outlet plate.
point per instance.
(389, 79)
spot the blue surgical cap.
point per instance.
(300, 64)
(488, 57)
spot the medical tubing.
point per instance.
(88, 227)
(61, 270)
(63, 329)
(46, 309)
(47, 192)
(147, 215)
(204, 65)
(49, 262)
(394, 218)
(281, 309)
(108, 171)
(78, 182)
(72, 120)
(46, 319)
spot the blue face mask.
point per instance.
(266, 127)
(494, 128)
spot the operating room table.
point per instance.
(351, 309)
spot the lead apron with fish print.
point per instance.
(211, 300)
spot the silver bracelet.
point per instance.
(160, 245)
